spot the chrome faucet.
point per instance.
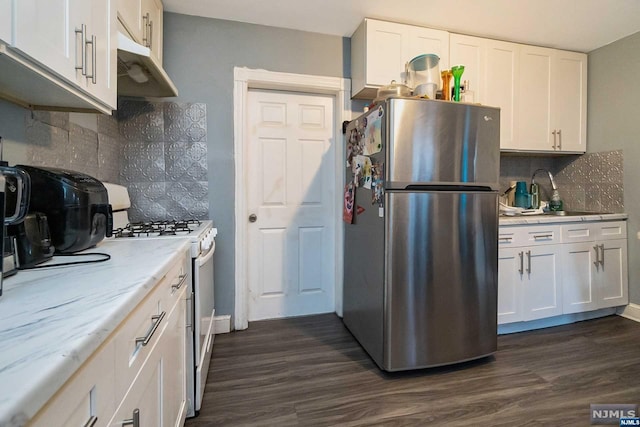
(553, 181)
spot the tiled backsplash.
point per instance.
(164, 162)
(158, 150)
(591, 182)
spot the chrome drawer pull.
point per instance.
(506, 239)
(156, 322)
(91, 421)
(134, 421)
(543, 236)
(181, 279)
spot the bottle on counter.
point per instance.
(556, 203)
(467, 94)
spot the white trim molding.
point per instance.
(630, 311)
(245, 79)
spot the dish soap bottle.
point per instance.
(556, 203)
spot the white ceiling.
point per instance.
(580, 25)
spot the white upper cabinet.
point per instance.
(67, 50)
(541, 92)
(45, 31)
(570, 108)
(491, 70)
(143, 21)
(380, 51)
(5, 20)
(553, 100)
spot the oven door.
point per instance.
(204, 311)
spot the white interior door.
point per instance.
(290, 199)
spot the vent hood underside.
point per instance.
(132, 55)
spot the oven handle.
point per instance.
(203, 260)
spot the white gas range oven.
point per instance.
(200, 307)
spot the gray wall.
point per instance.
(200, 55)
(614, 124)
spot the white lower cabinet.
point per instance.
(549, 270)
(529, 283)
(138, 376)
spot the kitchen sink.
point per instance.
(573, 213)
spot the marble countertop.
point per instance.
(53, 319)
(550, 219)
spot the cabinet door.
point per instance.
(426, 40)
(103, 27)
(130, 14)
(5, 21)
(385, 53)
(510, 275)
(44, 31)
(500, 80)
(542, 293)
(579, 278)
(145, 396)
(152, 14)
(174, 378)
(470, 52)
(614, 282)
(570, 100)
(535, 87)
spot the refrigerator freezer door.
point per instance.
(439, 142)
(441, 278)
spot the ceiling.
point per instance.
(580, 25)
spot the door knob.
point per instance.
(253, 218)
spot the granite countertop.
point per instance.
(550, 219)
(53, 319)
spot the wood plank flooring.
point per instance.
(310, 371)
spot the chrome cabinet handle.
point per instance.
(543, 236)
(91, 421)
(150, 34)
(559, 139)
(597, 261)
(189, 301)
(145, 37)
(554, 139)
(94, 55)
(521, 269)
(133, 421)
(506, 239)
(602, 256)
(528, 262)
(156, 322)
(83, 51)
(181, 279)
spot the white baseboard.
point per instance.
(222, 324)
(630, 311)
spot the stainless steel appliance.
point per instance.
(14, 198)
(200, 307)
(420, 265)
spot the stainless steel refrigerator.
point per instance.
(421, 256)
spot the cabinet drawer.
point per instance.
(591, 231)
(528, 235)
(87, 396)
(140, 331)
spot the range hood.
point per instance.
(139, 73)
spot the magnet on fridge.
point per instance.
(381, 212)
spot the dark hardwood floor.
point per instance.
(310, 371)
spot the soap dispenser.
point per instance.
(556, 203)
